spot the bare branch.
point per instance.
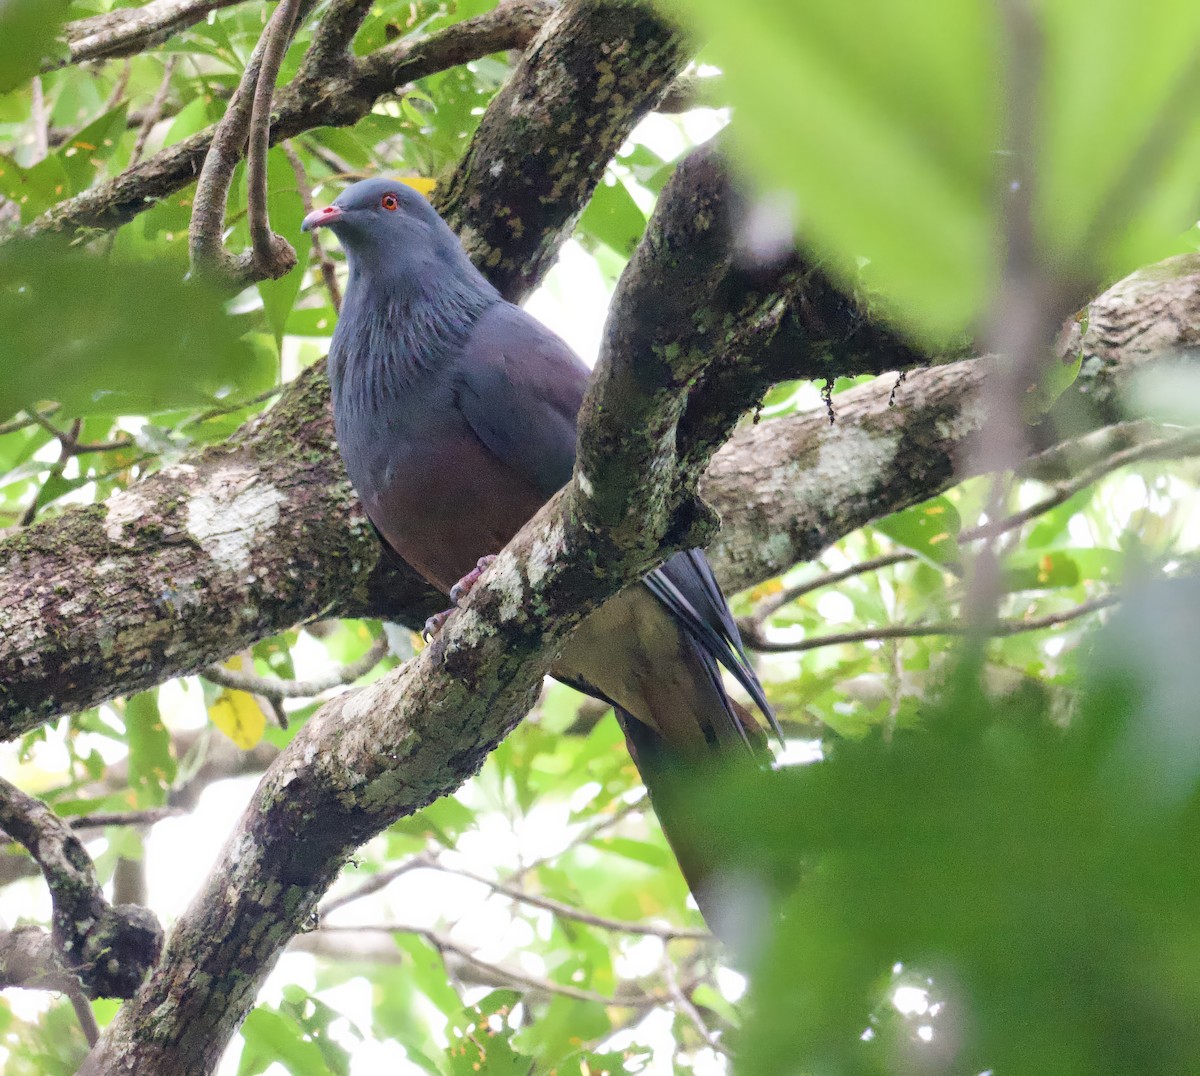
(273, 255)
(569, 911)
(131, 30)
(504, 973)
(307, 102)
(754, 638)
(272, 688)
(101, 820)
(108, 948)
(154, 112)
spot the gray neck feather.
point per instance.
(406, 314)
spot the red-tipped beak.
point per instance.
(318, 218)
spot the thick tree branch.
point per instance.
(618, 56)
(108, 948)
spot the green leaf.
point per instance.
(271, 1037)
(930, 530)
(885, 120)
(613, 217)
(151, 766)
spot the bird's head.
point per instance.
(378, 214)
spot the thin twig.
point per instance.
(584, 836)
(568, 911)
(374, 884)
(687, 1006)
(998, 628)
(69, 439)
(83, 1012)
(320, 254)
(56, 468)
(155, 111)
(526, 979)
(271, 688)
(103, 819)
(29, 419)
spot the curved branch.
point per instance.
(755, 639)
(245, 125)
(109, 949)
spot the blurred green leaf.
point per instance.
(27, 32)
(112, 337)
(885, 120)
(930, 530)
(151, 766)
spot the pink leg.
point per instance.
(462, 588)
(458, 594)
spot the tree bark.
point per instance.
(249, 539)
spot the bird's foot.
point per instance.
(458, 594)
(462, 588)
(435, 623)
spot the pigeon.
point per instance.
(455, 413)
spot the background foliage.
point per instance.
(983, 857)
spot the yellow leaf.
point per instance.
(419, 183)
(765, 590)
(237, 715)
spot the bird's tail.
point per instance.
(672, 779)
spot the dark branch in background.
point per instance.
(273, 688)
(28, 959)
(246, 124)
(618, 56)
(317, 97)
(127, 31)
(109, 949)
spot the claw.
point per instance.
(435, 624)
(462, 588)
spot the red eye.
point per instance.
(390, 201)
